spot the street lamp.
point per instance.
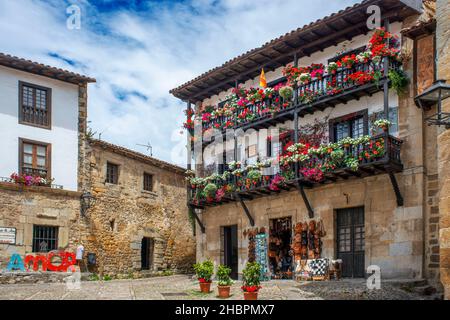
(87, 201)
(436, 93)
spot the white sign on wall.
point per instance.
(7, 235)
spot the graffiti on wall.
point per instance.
(56, 261)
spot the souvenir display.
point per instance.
(261, 254)
(280, 253)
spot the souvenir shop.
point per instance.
(291, 251)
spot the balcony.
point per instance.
(315, 95)
(344, 160)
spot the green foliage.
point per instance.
(204, 270)
(399, 81)
(167, 273)
(107, 277)
(254, 175)
(223, 276)
(94, 277)
(210, 190)
(286, 92)
(251, 274)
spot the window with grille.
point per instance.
(354, 125)
(34, 105)
(112, 173)
(148, 182)
(45, 238)
(34, 158)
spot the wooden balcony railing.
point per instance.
(325, 91)
(244, 186)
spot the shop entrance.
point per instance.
(350, 241)
(280, 253)
(147, 248)
(230, 249)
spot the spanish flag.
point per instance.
(262, 79)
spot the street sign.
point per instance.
(7, 235)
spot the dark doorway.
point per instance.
(351, 241)
(280, 239)
(147, 253)
(230, 249)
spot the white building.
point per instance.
(41, 111)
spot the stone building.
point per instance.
(140, 220)
(380, 213)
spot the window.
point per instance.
(353, 125)
(34, 105)
(34, 158)
(148, 182)
(393, 118)
(45, 238)
(112, 173)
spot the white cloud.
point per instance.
(148, 52)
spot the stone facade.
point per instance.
(443, 138)
(402, 240)
(124, 213)
(23, 207)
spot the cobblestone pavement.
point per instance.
(183, 287)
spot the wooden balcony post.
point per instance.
(386, 73)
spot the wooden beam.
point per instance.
(305, 200)
(192, 210)
(247, 212)
(398, 194)
(309, 44)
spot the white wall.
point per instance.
(63, 135)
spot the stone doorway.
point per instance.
(147, 252)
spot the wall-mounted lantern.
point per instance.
(435, 94)
(87, 201)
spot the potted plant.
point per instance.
(204, 271)
(224, 281)
(383, 124)
(251, 280)
(210, 192)
(286, 92)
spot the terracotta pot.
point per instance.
(251, 295)
(205, 287)
(224, 291)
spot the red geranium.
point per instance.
(251, 288)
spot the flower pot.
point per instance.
(224, 291)
(251, 295)
(205, 287)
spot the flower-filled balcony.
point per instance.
(300, 165)
(308, 89)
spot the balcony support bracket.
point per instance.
(192, 211)
(301, 189)
(398, 194)
(247, 212)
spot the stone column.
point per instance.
(443, 68)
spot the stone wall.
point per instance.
(443, 68)
(394, 235)
(401, 240)
(24, 207)
(124, 213)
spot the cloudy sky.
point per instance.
(139, 50)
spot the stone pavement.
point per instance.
(183, 287)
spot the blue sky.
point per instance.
(139, 50)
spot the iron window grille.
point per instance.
(45, 238)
